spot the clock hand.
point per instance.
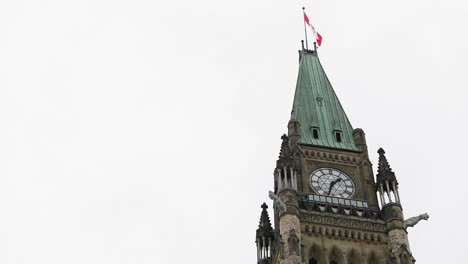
(333, 184)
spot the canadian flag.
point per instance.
(317, 35)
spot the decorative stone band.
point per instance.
(345, 233)
(332, 156)
(356, 223)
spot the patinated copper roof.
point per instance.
(316, 106)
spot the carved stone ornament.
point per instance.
(399, 254)
(293, 243)
(277, 203)
(411, 222)
(363, 225)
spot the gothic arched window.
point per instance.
(354, 258)
(336, 257)
(293, 243)
(315, 255)
(372, 259)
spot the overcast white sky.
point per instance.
(147, 131)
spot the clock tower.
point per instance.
(328, 206)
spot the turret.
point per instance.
(264, 237)
(285, 175)
(360, 139)
(387, 184)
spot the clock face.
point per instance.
(331, 182)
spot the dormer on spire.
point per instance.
(386, 180)
(264, 238)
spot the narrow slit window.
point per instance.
(338, 136)
(315, 132)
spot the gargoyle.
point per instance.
(414, 220)
(277, 203)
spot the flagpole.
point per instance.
(305, 28)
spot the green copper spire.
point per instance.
(316, 108)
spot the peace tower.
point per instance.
(328, 207)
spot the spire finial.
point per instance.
(384, 166)
(264, 227)
(285, 151)
(381, 151)
(384, 171)
(285, 156)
